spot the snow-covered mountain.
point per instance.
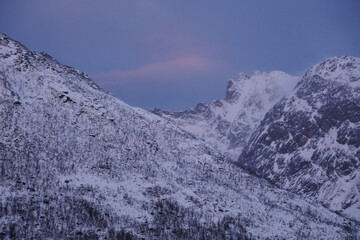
(309, 142)
(78, 163)
(228, 123)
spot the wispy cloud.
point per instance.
(159, 71)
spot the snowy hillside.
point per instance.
(78, 163)
(228, 123)
(309, 142)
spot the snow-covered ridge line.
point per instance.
(76, 162)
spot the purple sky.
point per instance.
(174, 54)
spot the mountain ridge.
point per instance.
(78, 163)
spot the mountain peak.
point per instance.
(15, 55)
(259, 82)
(241, 76)
(345, 69)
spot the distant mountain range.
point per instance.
(78, 163)
(307, 142)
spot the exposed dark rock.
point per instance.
(308, 142)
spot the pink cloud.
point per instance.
(160, 70)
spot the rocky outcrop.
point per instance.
(308, 143)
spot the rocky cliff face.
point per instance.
(309, 142)
(228, 123)
(77, 163)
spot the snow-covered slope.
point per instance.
(78, 163)
(309, 142)
(228, 123)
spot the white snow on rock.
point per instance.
(228, 123)
(77, 162)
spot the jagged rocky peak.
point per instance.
(228, 123)
(232, 87)
(309, 142)
(272, 85)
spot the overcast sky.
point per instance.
(172, 54)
